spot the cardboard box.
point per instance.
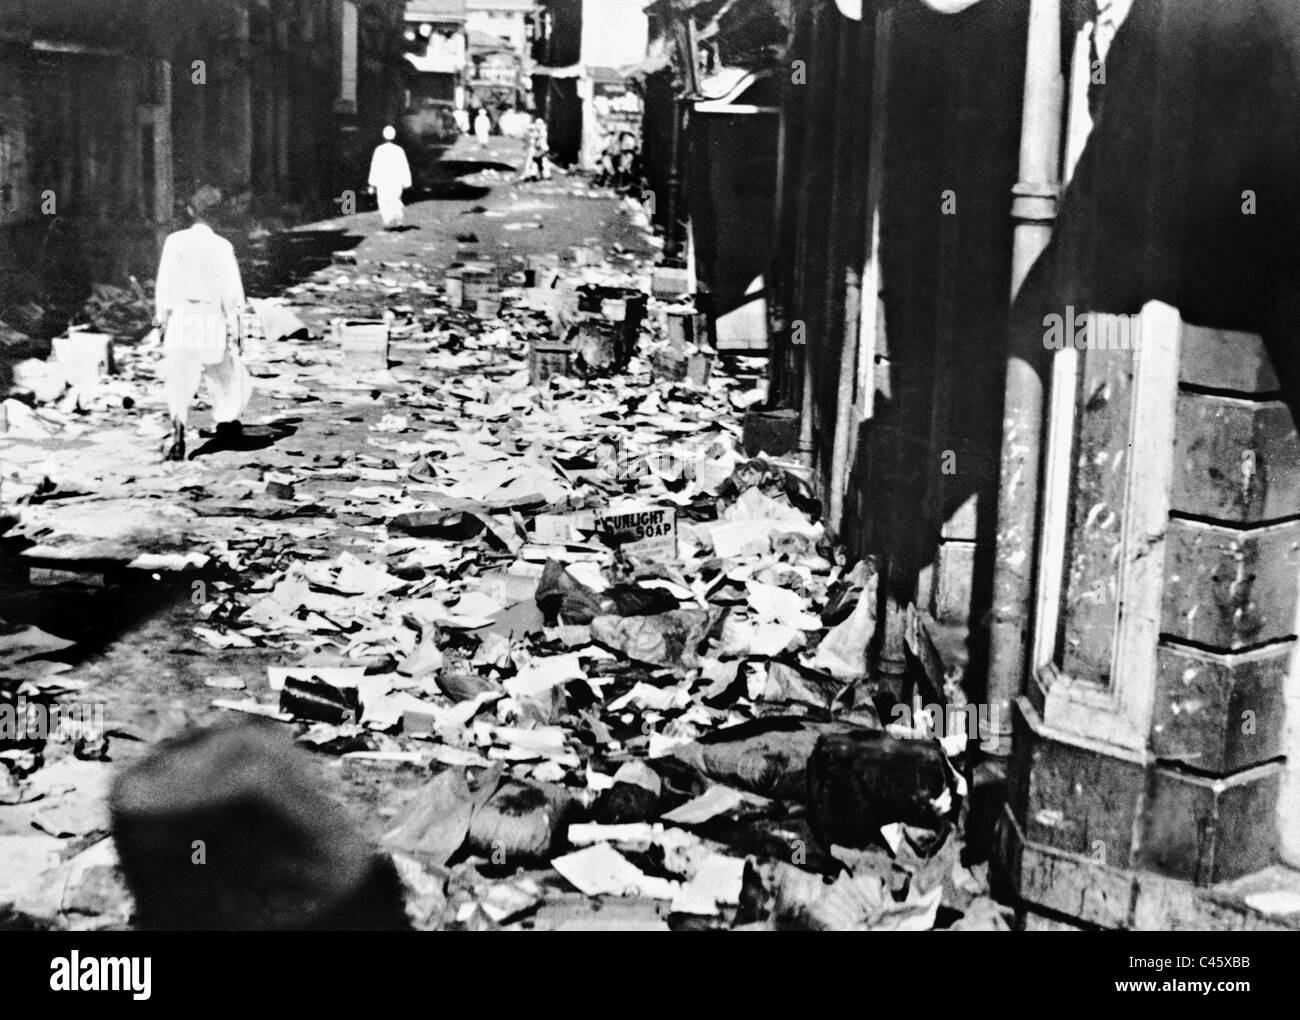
(669, 364)
(698, 369)
(650, 530)
(669, 282)
(279, 485)
(479, 283)
(686, 327)
(83, 358)
(364, 342)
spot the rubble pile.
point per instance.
(614, 664)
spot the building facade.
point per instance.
(507, 20)
(110, 113)
(436, 52)
(1094, 535)
(579, 49)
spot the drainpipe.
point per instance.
(1034, 213)
(671, 247)
(807, 406)
(848, 75)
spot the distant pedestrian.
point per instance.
(482, 127)
(607, 168)
(626, 164)
(462, 120)
(390, 175)
(198, 295)
(536, 164)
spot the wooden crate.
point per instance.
(547, 358)
(478, 284)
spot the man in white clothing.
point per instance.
(198, 295)
(390, 175)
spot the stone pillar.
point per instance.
(1148, 745)
(1222, 705)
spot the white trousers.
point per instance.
(229, 384)
(390, 205)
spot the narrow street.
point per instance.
(399, 568)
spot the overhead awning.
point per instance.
(436, 10)
(605, 75)
(572, 71)
(722, 92)
(484, 42)
(853, 8)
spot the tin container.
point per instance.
(454, 287)
(479, 284)
(686, 327)
(623, 305)
(601, 346)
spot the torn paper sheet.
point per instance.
(601, 870)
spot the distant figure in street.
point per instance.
(536, 164)
(607, 169)
(482, 127)
(390, 175)
(462, 120)
(628, 154)
(198, 295)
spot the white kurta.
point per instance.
(390, 175)
(198, 295)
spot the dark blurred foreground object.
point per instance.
(229, 828)
(775, 433)
(862, 780)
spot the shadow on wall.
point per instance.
(1189, 189)
(1188, 192)
(733, 195)
(924, 485)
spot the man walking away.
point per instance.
(390, 175)
(198, 295)
(482, 127)
(536, 164)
